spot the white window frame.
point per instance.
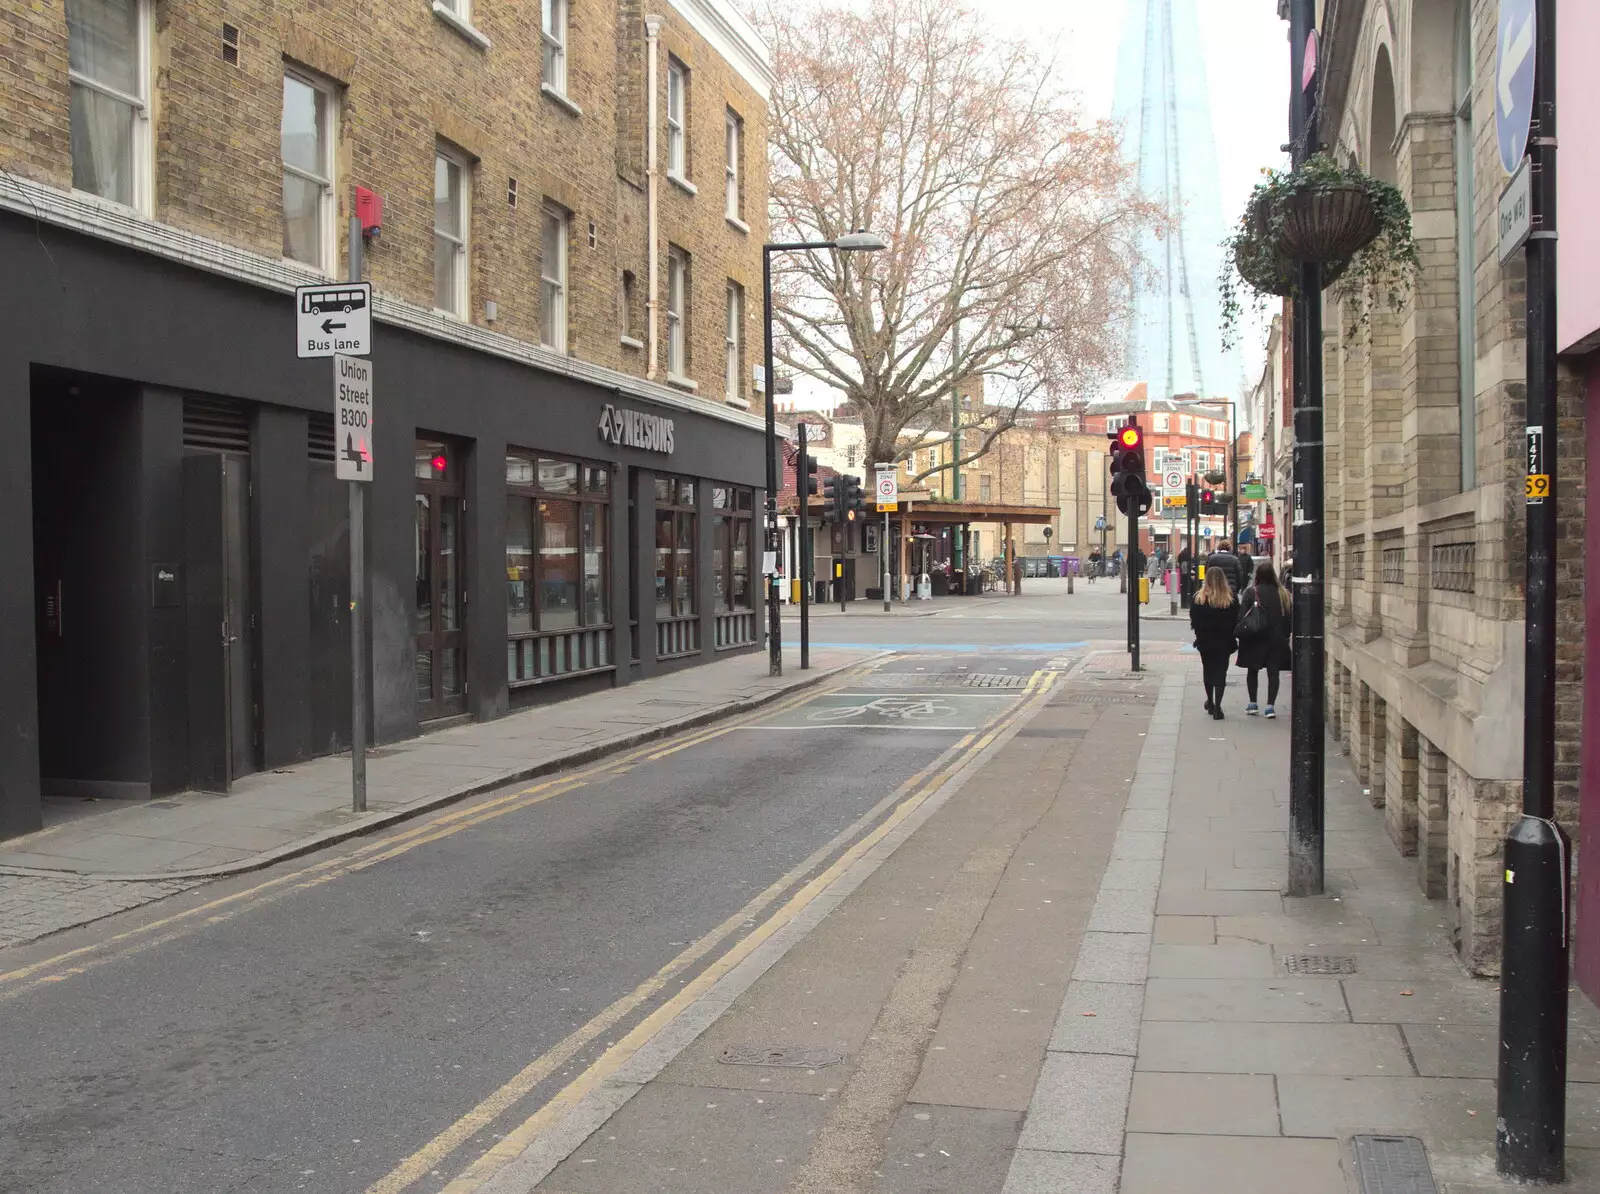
(1185, 424)
(677, 124)
(1188, 461)
(143, 147)
(329, 248)
(1202, 462)
(553, 31)
(1202, 428)
(734, 342)
(463, 244)
(1162, 422)
(733, 141)
(677, 300)
(461, 9)
(553, 287)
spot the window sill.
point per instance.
(682, 183)
(739, 224)
(465, 28)
(734, 400)
(683, 383)
(630, 342)
(561, 98)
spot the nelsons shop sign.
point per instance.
(630, 429)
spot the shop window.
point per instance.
(557, 567)
(730, 563)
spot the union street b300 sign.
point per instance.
(630, 429)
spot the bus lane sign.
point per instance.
(335, 317)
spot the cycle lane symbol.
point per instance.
(891, 708)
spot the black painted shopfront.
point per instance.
(174, 609)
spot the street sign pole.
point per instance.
(802, 489)
(358, 596)
(1531, 1119)
(1307, 734)
(1132, 580)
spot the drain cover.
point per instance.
(1319, 964)
(795, 1058)
(1393, 1165)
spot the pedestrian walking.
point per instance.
(1224, 558)
(1214, 617)
(1264, 627)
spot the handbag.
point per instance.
(1254, 623)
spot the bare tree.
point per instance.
(1013, 223)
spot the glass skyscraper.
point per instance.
(1162, 103)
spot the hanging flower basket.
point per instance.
(1356, 228)
(1327, 225)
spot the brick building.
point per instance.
(572, 212)
(1424, 456)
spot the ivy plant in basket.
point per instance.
(1357, 228)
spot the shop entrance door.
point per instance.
(440, 619)
(220, 622)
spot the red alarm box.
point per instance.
(369, 209)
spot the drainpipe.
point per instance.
(652, 35)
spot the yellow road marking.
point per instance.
(169, 928)
(428, 1158)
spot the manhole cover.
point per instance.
(1319, 964)
(919, 680)
(1393, 1165)
(982, 680)
(793, 1057)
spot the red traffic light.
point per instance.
(1130, 437)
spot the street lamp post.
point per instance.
(852, 242)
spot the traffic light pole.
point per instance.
(1307, 737)
(802, 487)
(1531, 1114)
(1133, 585)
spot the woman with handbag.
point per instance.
(1264, 627)
(1214, 617)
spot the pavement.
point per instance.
(1079, 976)
(97, 858)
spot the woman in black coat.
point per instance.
(1270, 648)
(1214, 615)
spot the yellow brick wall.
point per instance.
(409, 79)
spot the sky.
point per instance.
(1247, 72)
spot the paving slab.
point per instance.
(1159, 1164)
(1294, 999)
(935, 1148)
(1233, 960)
(1392, 1001)
(1036, 1172)
(1353, 1049)
(1079, 1104)
(1471, 1050)
(1185, 930)
(1204, 1104)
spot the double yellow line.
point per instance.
(73, 962)
(911, 796)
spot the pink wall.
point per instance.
(1587, 936)
(1578, 172)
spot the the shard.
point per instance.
(1165, 110)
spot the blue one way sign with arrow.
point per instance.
(1513, 80)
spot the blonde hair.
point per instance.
(1214, 590)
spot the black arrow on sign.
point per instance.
(353, 453)
(328, 325)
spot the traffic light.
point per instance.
(833, 499)
(1128, 485)
(855, 500)
(1208, 503)
(808, 485)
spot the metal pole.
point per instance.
(802, 489)
(1132, 585)
(883, 560)
(1307, 735)
(1531, 1120)
(774, 622)
(358, 600)
(958, 554)
(1233, 474)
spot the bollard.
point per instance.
(1069, 584)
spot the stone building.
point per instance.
(566, 302)
(1424, 442)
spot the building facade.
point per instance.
(1424, 460)
(566, 465)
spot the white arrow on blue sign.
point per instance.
(1513, 80)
